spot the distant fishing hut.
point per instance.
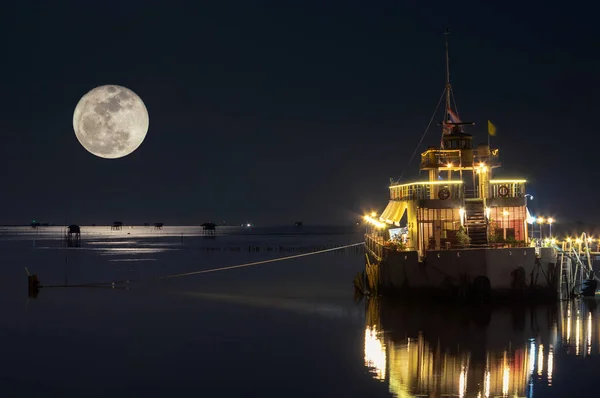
(158, 225)
(117, 226)
(73, 236)
(209, 228)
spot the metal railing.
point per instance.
(455, 157)
(507, 189)
(424, 190)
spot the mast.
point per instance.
(449, 98)
(448, 87)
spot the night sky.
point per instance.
(277, 111)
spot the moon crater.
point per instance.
(110, 121)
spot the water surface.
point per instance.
(289, 328)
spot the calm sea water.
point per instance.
(289, 328)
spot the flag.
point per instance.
(453, 116)
(491, 128)
(454, 119)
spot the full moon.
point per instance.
(110, 121)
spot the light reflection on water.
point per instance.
(434, 352)
(224, 330)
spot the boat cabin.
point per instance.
(460, 204)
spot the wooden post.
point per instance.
(34, 285)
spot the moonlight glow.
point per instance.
(110, 121)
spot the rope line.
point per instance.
(99, 284)
(424, 134)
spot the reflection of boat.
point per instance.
(438, 351)
(430, 351)
(579, 322)
(461, 232)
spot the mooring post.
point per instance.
(34, 285)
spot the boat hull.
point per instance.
(481, 274)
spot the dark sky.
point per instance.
(277, 111)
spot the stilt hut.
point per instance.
(73, 236)
(209, 228)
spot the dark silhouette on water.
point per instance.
(117, 226)
(209, 228)
(73, 236)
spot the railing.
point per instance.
(424, 190)
(487, 156)
(459, 157)
(507, 188)
(374, 246)
(441, 158)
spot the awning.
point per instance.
(393, 213)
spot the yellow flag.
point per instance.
(491, 128)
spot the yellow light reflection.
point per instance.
(505, 376)
(462, 382)
(589, 333)
(550, 364)
(487, 384)
(540, 361)
(505, 380)
(375, 356)
(568, 325)
(416, 367)
(577, 334)
(531, 358)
